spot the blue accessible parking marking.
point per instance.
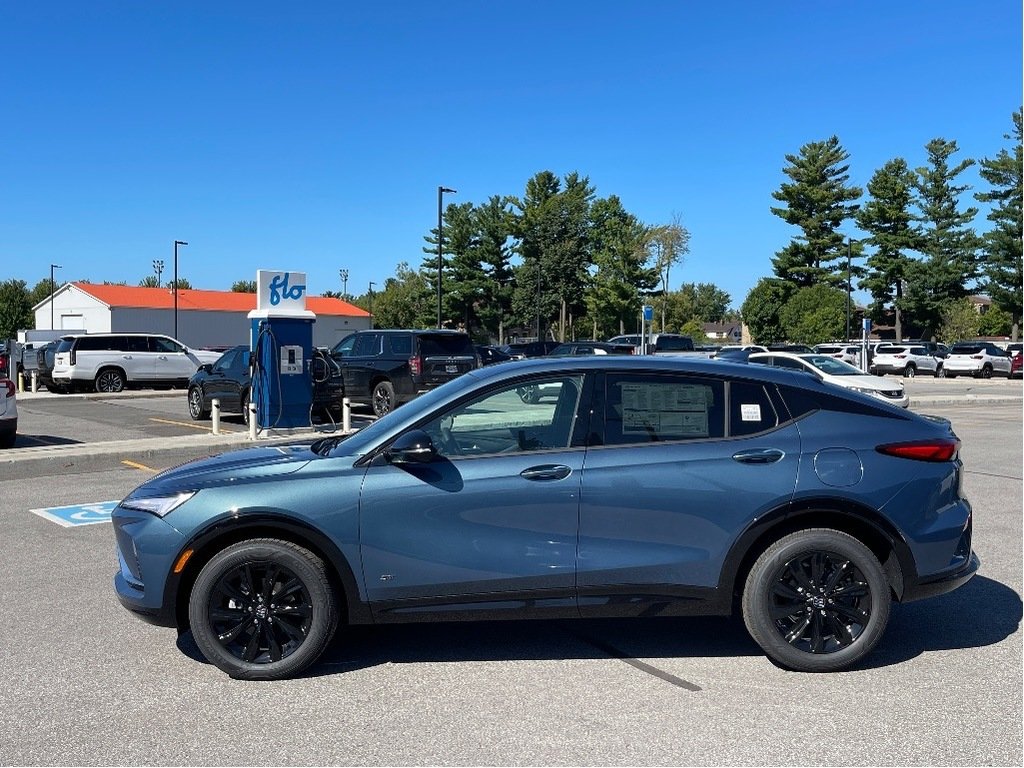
(78, 514)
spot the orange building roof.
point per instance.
(190, 299)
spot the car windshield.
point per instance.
(832, 366)
(966, 349)
(444, 344)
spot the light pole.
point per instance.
(52, 287)
(371, 303)
(343, 274)
(158, 267)
(176, 244)
(849, 287)
(440, 241)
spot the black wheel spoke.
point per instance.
(287, 589)
(853, 589)
(861, 617)
(782, 610)
(253, 647)
(227, 614)
(293, 632)
(235, 631)
(272, 644)
(269, 579)
(839, 629)
(796, 569)
(837, 574)
(794, 635)
(784, 590)
(817, 641)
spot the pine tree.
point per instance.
(888, 219)
(1002, 262)
(817, 201)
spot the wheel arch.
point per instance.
(224, 533)
(111, 367)
(857, 520)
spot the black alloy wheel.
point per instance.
(263, 609)
(986, 372)
(110, 380)
(816, 601)
(940, 372)
(195, 404)
(245, 407)
(383, 400)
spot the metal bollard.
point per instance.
(346, 415)
(252, 420)
(35, 381)
(215, 414)
(21, 381)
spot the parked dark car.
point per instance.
(523, 349)
(230, 380)
(591, 348)
(796, 349)
(708, 486)
(44, 364)
(490, 355)
(386, 368)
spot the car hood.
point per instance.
(867, 382)
(231, 467)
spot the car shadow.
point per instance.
(39, 441)
(982, 612)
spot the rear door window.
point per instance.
(367, 345)
(400, 344)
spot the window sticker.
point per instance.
(665, 409)
(750, 412)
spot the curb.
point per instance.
(971, 400)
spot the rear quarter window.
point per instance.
(750, 409)
(400, 344)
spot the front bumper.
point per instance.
(147, 547)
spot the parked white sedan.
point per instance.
(839, 373)
(908, 360)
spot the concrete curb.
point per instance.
(128, 394)
(972, 400)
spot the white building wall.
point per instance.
(73, 310)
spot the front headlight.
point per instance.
(865, 390)
(158, 505)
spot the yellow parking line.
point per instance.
(136, 465)
(186, 424)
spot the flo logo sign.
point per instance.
(281, 291)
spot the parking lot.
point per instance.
(87, 683)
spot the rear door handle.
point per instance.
(759, 456)
(546, 472)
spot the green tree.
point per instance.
(405, 302)
(669, 244)
(42, 290)
(694, 328)
(815, 314)
(494, 245)
(619, 248)
(995, 322)
(1002, 263)
(958, 320)
(182, 282)
(15, 309)
(244, 286)
(949, 243)
(889, 221)
(149, 281)
(762, 307)
(817, 200)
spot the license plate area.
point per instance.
(451, 369)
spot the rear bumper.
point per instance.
(942, 583)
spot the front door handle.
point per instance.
(546, 472)
(759, 456)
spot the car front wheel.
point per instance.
(910, 371)
(195, 404)
(816, 601)
(263, 609)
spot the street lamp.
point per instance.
(440, 241)
(52, 286)
(176, 244)
(371, 303)
(343, 274)
(158, 267)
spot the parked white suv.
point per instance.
(978, 358)
(8, 414)
(848, 353)
(908, 360)
(111, 361)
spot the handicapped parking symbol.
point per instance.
(78, 514)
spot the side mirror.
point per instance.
(414, 447)
(206, 368)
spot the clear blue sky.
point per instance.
(312, 136)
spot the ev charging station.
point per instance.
(281, 345)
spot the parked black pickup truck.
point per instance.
(386, 368)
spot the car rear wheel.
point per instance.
(195, 404)
(910, 371)
(245, 408)
(816, 601)
(986, 371)
(383, 400)
(109, 380)
(940, 372)
(263, 609)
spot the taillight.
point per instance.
(942, 449)
(71, 356)
(415, 366)
(899, 357)
(9, 386)
(977, 357)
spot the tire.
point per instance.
(817, 635)
(910, 371)
(245, 408)
(529, 394)
(383, 398)
(195, 405)
(950, 375)
(986, 371)
(7, 439)
(940, 372)
(110, 380)
(263, 609)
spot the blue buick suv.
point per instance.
(632, 486)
